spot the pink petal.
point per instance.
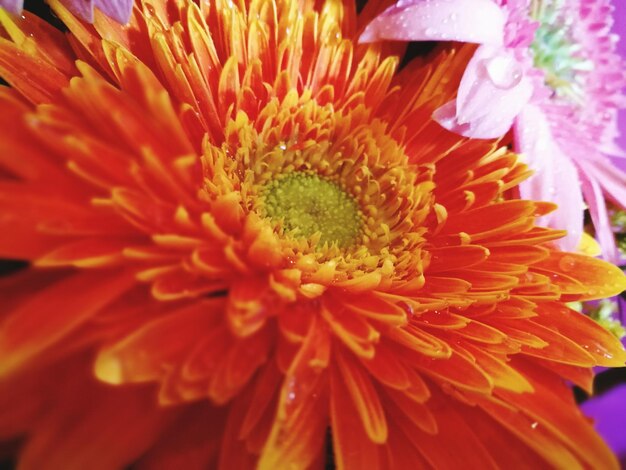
(81, 8)
(12, 6)
(614, 150)
(493, 91)
(555, 179)
(609, 177)
(475, 21)
(600, 217)
(611, 136)
(119, 10)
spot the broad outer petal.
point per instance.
(493, 91)
(555, 179)
(475, 21)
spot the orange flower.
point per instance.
(248, 228)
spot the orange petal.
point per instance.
(535, 236)
(423, 343)
(238, 365)
(178, 284)
(127, 360)
(233, 450)
(520, 254)
(419, 414)
(481, 332)
(18, 239)
(387, 368)
(117, 426)
(300, 443)
(51, 314)
(354, 331)
(364, 396)
(188, 442)
(456, 256)
(604, 347)
(494, 220)
(298, 430)
(581, 376)
(248, 301)
(504, 447)
(352, 446)
(539, 439)
(418, 390)
(469, 451)
(559, 348)
(402, 454)
(456, 370)
(266, 387)
(26, 73)
(89, 253)
(552, 406)
(484, 280)
(206, 354)
(376, 308)
(598, 279)
(501, 374)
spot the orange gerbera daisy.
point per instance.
(245, 230)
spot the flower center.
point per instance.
(556, 52)
(309, 204)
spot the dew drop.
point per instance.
(408, 308)
(534, 425)
(291, 391)
(403, 3)
(504, 72)
(567, 263)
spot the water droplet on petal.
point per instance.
(291, 394)
(505, 72)
(567, 263)
(408, 308)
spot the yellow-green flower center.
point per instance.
(308, 204)
(556, 52)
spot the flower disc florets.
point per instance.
(307, 204)
(558, 52)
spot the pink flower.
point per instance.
(547, 69)
(118, 10)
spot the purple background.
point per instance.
(608, 410)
